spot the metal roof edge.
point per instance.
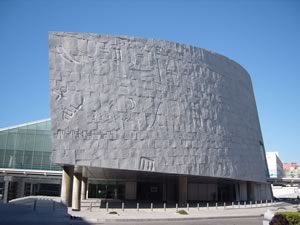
(24, 124)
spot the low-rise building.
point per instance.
(26, 167)
(291, 170)
(275, 165)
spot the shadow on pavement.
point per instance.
(37, 211)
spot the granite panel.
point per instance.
(152, 105)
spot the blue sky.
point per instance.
(263, 36)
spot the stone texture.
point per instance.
(150, 105)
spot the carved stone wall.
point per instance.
(150, 105)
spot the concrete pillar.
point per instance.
(237, 192)
(5, 192)
(66, 185)
(116, 193)
(257, 192)
(243, 191)
(164, 192)
(252, 192)
(269, 192)
(130, 190)
(217, 192)
(21, 187)
(87, 190)
(31, 188)
(77, 178)
(182, 190)
(84, 188)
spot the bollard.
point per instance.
(239, 204)
(34, 205)
(271, 202)
(164, 206)
(232, 203)
(151, 206)
(137, 206)
(207, 206)
(53, 206)
(106, 206)
(256, 204)
(266, 203)
(261, 203)
(176, 207)
(91, 206)
(188, 206)
(224, 205)
(216, 205)
(250, 204)
(123, 206)
(198, 206)
(244, 204)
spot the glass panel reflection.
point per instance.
(27, 147)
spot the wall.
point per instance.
(149, 105)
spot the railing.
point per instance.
(106, 205)
(31, 166)
(8, 171)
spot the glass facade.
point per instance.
(27, 147)
(106, 189)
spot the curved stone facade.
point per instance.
(150, 105)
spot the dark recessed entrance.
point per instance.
(226, 192)
(149, 191)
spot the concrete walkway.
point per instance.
(49, 209)
(104, 215)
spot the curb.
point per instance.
(95, 220)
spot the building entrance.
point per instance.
(226, 192)
(107, 190)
